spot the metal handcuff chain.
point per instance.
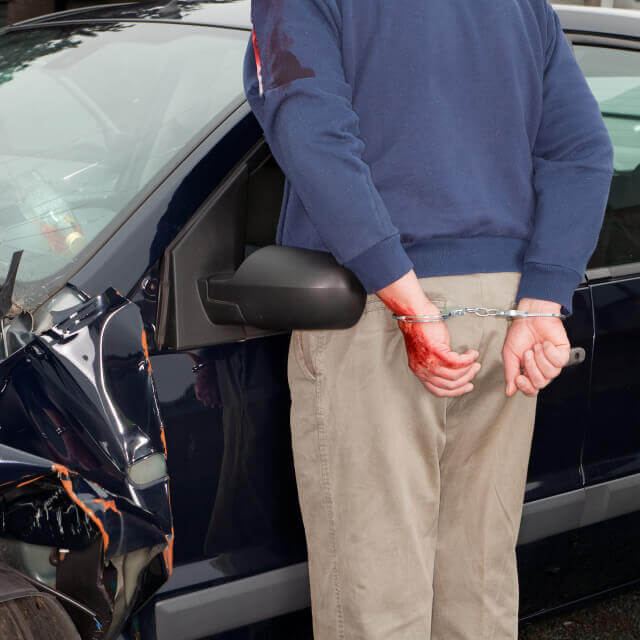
(481, 312)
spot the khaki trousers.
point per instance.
(411, 503)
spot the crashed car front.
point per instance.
(84, 493)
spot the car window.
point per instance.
(91, 116)
(614, 78)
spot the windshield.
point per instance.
(90, 116)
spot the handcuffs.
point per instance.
(481, 312)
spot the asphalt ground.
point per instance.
(615, 617)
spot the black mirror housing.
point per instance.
(285, 288)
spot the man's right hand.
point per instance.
(535, 349)
(443, 371)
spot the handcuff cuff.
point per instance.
(481, 312)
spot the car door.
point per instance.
(554, 497)
(611, 457)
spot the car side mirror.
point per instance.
(285, 288)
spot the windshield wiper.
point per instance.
(6, 290)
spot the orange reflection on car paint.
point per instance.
(30, 481)
(64, 476)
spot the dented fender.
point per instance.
(82, 449)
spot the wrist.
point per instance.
(535, 305)
(405, 297)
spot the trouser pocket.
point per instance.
(302, 350)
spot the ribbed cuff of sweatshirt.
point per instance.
(549, 282)
(381, 264)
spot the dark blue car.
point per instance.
(144, 322)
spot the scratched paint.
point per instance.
(26, 482)
(65, 480)
(145, 348)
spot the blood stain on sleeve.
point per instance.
(287, 68)
(282, 63)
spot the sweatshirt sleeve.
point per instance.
(573, 165)
(295, 84)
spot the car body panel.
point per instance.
(612, 446)
(562, 413)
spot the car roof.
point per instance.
(224, 13)
(598, 20)
(237, 13)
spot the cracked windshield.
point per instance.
(91, 118)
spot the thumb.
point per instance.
(454, 359)
(511, 370)
(558, 354)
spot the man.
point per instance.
(451, 154)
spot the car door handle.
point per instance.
(576, 356)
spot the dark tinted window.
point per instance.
(614, 78)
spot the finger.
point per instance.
(449, 373)
(511, 370)
(524, 384)
(533, 372)
(557, 355)
(454, 359)
(444, 383)
(546, 368)
(447, 392)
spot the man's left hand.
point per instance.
(535, 349)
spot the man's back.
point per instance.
(449, 97)
(447, 129)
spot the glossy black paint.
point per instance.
(612, 445)
(226, 415)
(562, 414)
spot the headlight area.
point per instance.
(55, 530)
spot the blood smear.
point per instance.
(256, 51)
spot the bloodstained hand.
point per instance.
(440, 369)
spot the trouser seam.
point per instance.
(326, 483)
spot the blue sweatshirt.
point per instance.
(447, 136)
